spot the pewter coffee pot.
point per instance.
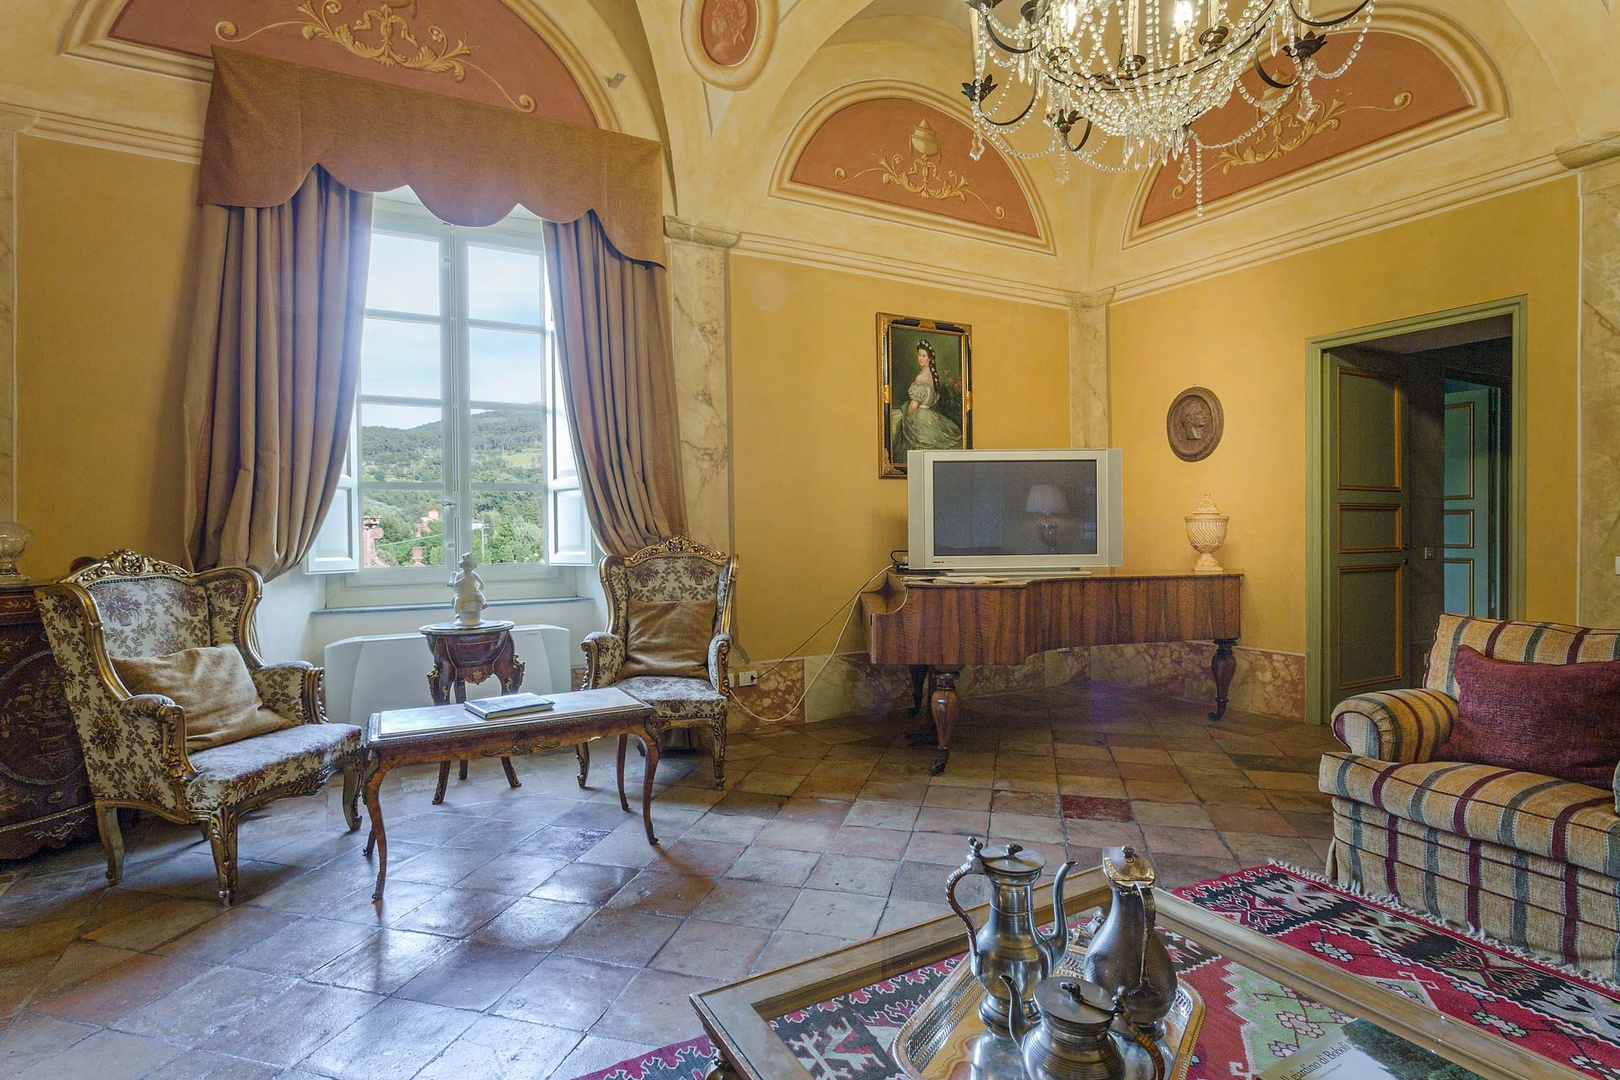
(1127, 956)
(1072, 1040)
(1009, 943)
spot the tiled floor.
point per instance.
(534, 933)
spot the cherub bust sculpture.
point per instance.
(469, 587)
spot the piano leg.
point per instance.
(919, 680)
(944, 708)
(1221, 667)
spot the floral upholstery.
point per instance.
(245, 771)
(674, 570)
(675, 698)
(134, 745)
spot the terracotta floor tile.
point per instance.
(472, 975)
(816, 911)
(716, 951)
(565, 991)
(1205, 843)
(596, 1052)
(455, 912)
(938, 819)
(120, 990)
(287, 1027)
(619, 937)
(654, 1008)
(497, 1047)
(779, 866)
(107, 1055)
(853, 874)
(1096, 809)
(394, 1041)
(862, 840)
(1177, 815)
(383, 963)
(1252, 819)
(798, 835)
(1092, 787)
(1159, 791)
(955, 798)
(657, 893)
(747, 903)
(791, 946)
(193, 1013)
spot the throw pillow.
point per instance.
(1559, 720)
(668, 638)
(215, 688)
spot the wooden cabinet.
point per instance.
(44, 793)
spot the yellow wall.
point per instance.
(1244, 336)
(104, 240)
(812, 519)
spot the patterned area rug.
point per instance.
(1252, 1021)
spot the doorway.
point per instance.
(1415, 492)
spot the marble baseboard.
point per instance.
(1266, 682)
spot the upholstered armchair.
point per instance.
(668, 638)
(130, 610)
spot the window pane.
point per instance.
(508, 366)
(503, 286)
(507, 447)
(404, 275)
(401, 443)
(401, 528)
(400, 359)
(508, 527)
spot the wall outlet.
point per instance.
(1617, 564)
(745, 677)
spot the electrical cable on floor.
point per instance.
(853, 603)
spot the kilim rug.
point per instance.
(1251, 1021)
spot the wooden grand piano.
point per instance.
(937, 625)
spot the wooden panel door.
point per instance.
(1470, 486)
(1369, 524)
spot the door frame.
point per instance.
(1321, 401)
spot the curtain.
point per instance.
(619, 379)
(272, 373)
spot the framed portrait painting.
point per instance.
(925, 395)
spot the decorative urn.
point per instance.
(1206, 532)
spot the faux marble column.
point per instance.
(10, 124)
(702, 345)
(1088, 368)
(1599, 596)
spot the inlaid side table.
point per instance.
(463, 654)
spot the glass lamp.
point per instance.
(1047, 500)
(14, 540)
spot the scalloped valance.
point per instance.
(270, 122)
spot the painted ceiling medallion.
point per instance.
(923, 176)
(728, 41)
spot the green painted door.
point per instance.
(1368, 522)
(1469, 513)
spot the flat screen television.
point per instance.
(1014, 510)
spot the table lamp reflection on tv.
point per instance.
(1047, 500)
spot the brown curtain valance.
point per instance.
(270, 122)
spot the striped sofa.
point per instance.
(1528, 859)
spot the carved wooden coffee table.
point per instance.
(447, 732)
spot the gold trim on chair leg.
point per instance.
(717, 728)
(222, 837)
(112, 841)
(351, 795)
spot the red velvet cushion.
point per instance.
(1559, 720)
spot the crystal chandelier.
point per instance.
(1119, 83)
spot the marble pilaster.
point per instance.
(1088, 368)
(702, 352)
(10, 125)
(1599, 586)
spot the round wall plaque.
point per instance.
(728, 41)
(1195, 423)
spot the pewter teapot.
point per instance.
(1072, 1040)
(1010, 944)
(1126, 956)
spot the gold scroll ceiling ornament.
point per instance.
(384, 36)
(923, 176)
(1286, 131)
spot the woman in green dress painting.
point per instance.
(920, 425)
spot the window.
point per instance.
(460, 441)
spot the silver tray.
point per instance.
(946, 1040)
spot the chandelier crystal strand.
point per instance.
(1120, 83)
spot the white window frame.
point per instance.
(349, 584)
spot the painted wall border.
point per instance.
(825, 257)
(1455, 46)
(805, 128)
(88, 30)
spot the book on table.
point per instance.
(495, 708)
(1362, 1051)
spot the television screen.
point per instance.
(1015, 508)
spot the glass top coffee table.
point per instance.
(738, 1017)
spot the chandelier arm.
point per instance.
(988, 119)
(1329, 23)
(1260, 70)
(1077, 147)
(989, 26)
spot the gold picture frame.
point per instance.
(922, 409)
